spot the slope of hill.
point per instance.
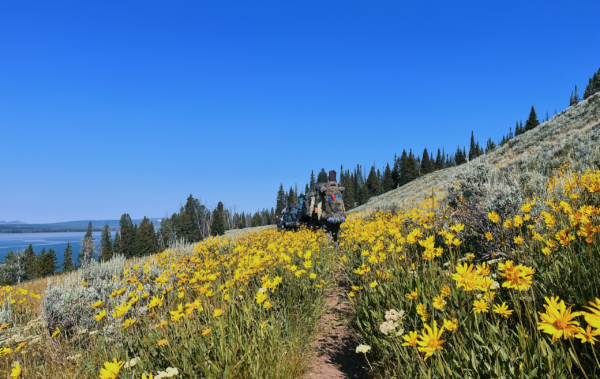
(573, 131)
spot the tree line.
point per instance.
(360, 186)
(195, 222)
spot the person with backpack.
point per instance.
(330, 210)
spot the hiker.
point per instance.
(329, 210)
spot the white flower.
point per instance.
(479, 296)
(168, 373)
(132, 362)
(387, 327)
(262, 289)
(94, 332)
(393, 315)
(363, 349)
(399, 332)
(495, 285)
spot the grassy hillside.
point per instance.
(574, 131)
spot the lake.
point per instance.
(56, 241)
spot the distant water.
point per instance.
(56, 241)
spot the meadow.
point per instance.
(491, 270)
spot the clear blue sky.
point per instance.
(129, 106)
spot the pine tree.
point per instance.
(291, 196)
(312, 182)
(192, 222)
(439, 161)
(532, 122)
(280, 200)
(404, 169)
(426, 163)
(68, 265)
(350, 192)
(323, 177)
(412, 167)
(574, 98)
(396, 171)
(387, 183)
(217, 227)
(106, 250)
(593, 86)
(517, 130)
(472, 150)
(48, 263)
(127, 237)
(30, 263)
(306, 189)
(460, 156)
(117, 244)
(148, 244)
(88, 246)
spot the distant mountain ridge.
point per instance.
(66, 226)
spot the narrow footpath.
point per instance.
(335, 346)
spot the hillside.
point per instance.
(575, 130)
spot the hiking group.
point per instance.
(322, 207)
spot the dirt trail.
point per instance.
(334, 346)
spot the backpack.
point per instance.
(334, 204)
(292, 212)
(304, 208)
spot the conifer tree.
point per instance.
(460, 156)
(148, 242)
(186, 227)
(574, 98)
(127, 237)
(306, 189)
(323, 177)
(396, 171)
(404, 169)
(312, 182)
(532, 122)
(439, 161)
(68, 265)
(48, 263)
(593, 85)
(88, 246)
(117, 242)
(350, 192)
(106, 246)
(426, 163)
(387, 183)
(472, 149)
(217, 227)
(30, 263)
(280, 200)
(291, 196)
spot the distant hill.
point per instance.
(16, 222)
(66, 226)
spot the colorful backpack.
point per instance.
(334, 204)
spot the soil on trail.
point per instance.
(334, 346)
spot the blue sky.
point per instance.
(111, 107)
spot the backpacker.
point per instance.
(334, 211)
